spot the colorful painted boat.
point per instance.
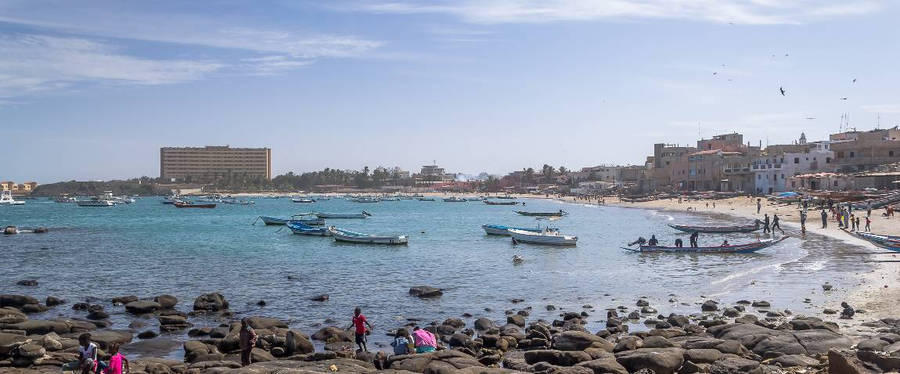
(717, 229)
(889, 242)
(504, 230)
(364, 214)
(560, 213)
(739, 248)
(488, 202)
(545, 237)
(357, 237)
(301, 229)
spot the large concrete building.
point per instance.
(856, 151)
(775, 167)
(212, 163)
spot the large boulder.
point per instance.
(297, 343)
(122, 300)
(332, 334)
(660, 360)
(425, 291)
(211, 302)
(16, 301)
(733, 364)
(437, 362)
(166, 301)
(579, 341)
(606, 364)
(265, 323)
(36, 327)
(555, 357)
(483, 324)
(142, 307)
(11, 315)
(104, 338)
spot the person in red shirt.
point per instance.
(360, 322)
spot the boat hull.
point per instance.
(301, 229)
(195, 206)
(359, 238)
(889, 242)
(542, 214)
(740, 248)
(362, 215)
(716, 229)
(519, 236)
(504, 230)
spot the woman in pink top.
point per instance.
(425, 341)
(118, 364)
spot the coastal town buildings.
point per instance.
(212, 163)
(778, 163)
(721, 163)
(856, 151)
(24, 188)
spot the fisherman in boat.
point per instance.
(653, 242)
(725, 243)
(693, 238)
(678, 243)
(640, 240)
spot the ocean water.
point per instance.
(148, 248)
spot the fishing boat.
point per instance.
(303, 200)
(235, 201)
(560, 213)
(545, 236)
(717, 229)
(171, 199)
(7, 199)
(489, 202)
(187, 204)
(301, 229)
(97, 201)
(426, 199)
(889, 242)
(738, 248)
(306, 219)
(356, 237)
(365, 200)
(364, 214)
(454, 200)
(390, 198)
(65, 198)
(504, 230)
(506, 197)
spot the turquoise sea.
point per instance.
(148, 248)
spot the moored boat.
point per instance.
(365, 200)
(545, 236)
(426, 199)
(717, 229)
(364, 214)
(504, 230)
(301, 229)
(737, 248)
(186, 204)
(560, 213)
(356, 237)
(7, 199)
(489, 202)
(454, 200)
(303, 200)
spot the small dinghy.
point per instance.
(357, 237)
(560, 213)
(303, 200)
(504, 230)
(737, 248)
(301, 229)
(489, 202)
(454, 200)
(717, 229)
(546, 237)
(306, 219)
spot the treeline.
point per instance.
(138, 186)
(307, 181)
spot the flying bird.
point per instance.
(714, 73)
(854, 80)
(810, 117)
(782, 90)
(843, 98)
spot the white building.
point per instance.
(773, 171)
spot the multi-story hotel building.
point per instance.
(211, 163)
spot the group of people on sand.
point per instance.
(89, 359)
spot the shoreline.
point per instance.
(876, 289)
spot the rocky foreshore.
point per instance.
(748, 337)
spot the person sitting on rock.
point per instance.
(247, 340)
(87, 357)
(118, 364)
(425, 341)
(403, 343)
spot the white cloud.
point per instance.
(882, 108)
(752, 12)
(33, 63)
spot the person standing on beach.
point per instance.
(824, 219)
(247, 339)
(360, 322)
(868, 221)
(857, 223)
(803, 221)
(766, 224)
(775, 224)
(758, 205)
(852, 223)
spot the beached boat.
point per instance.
(426, 199)
(889, 242)
(7, 199)
(504, 230)
(506, 197)
(738, 248)
(454, 200)
(301, 229)
(488, 202)
(187, 204)
(303, 200)
(545, 236)
(717, 229)
(560, 213)
(364, 214)
(356, 237)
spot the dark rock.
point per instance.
(211, 302)
(845, 362)
(761, 304)
(425, 292)
(322, 297)
(579, 341)
(795, 361)
(16, 301)
(96, 312)
(332, 334)
(729, 364)
(554, 357)
(34, 308)
(142, 307)
(702, 355)
(52, 301)
(659, 360)
(606, 364)
(516, 320)
(628, 343)
(731, 312)
(81, 306)
(657, 342)
(28, 282)
(122, 300)
(483, 324)
(297, 343)
(455, 322)
(166, 301)
(550, 307)
(709, 306)
(148, 334)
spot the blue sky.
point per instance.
(92, 89)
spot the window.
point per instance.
(891, 153)
(797, 160)
(852, 153)
(840, 154)
(827, 160)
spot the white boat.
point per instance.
(65, 198)
(95, 202)
(356, 237)
(454, 200)
(364, 214)
(303, 200)
(367, 200)
(7, 199)
(504, 230)
(548, 237)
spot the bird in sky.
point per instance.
(782, 90)
(810, 117)
(714, 73)
(843, 98)
(854, 80)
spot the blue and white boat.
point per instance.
(504, 230)
(545, 237)
(309, 220)
(342, 235)
(301, 229)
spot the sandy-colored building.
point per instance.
(856, 151)
(9, 186)
(212, 163)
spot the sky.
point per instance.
(92, 89)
